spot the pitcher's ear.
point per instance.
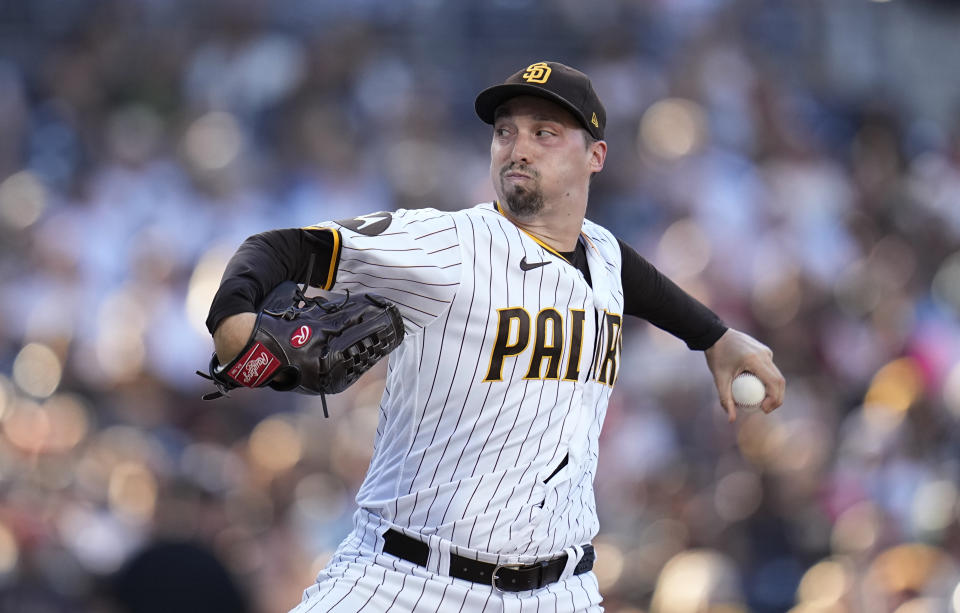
(598, 155)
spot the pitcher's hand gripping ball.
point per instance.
(310, 345)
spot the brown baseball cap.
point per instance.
(553, 81)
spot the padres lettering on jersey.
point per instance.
(513, 337)
(490, 419)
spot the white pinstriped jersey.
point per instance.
(490, 419)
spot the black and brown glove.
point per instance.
(310, 345)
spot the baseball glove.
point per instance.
(310, 345)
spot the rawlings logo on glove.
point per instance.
(310, 345)
(301, 336)
(253, 366)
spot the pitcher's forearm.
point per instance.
(232, 335)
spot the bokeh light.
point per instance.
(113, 447)
(908, 568)
(70, 421)
(133, 491)
(824, 584)
(23, 199)
(857, 529)
(673, 128)
(896, 387)
(609, 563)
(275, 445)
(55, 426)
(203, 285)
(213, 141)
(27, 426)
(37, 370)
(9, 550)
(99, 541)
(933, 507)
(694, 581)
(922, 605)
(684, 249)
(120, 349)
(6, 395)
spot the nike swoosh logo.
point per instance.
(524, 266)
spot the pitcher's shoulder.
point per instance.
(601, 237)
(484, 209)
(484, 214)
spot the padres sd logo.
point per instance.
(537, 73)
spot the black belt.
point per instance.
(504, 577)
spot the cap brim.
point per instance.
(489, 99)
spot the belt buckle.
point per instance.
(493, 575)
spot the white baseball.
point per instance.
(748, 391)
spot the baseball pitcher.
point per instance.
(503, 324)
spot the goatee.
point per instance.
(523, 201)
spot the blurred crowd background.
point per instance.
(794, 164)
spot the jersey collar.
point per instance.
(496, 204)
